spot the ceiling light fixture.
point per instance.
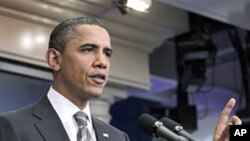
(139, 5)
(126, 5)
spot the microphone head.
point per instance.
(146, 122)
(171, 124)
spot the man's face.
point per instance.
(85, 62)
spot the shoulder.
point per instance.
(11, 124)
(17, 114)
(26, 112)
(19, 117)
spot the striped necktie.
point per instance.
(83, 133)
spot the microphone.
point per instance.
(156, 128)
(177, 128)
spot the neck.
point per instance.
(80, 102)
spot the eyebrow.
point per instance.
(89, 44)
(109, 49)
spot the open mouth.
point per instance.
(98, 78)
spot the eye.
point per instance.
(108, 53)
(88, 49)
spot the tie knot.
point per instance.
(81, 118)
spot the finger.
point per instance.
(222, 127)
(226, 111)
(235, 120)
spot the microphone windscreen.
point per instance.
(146, 122)
(169, 123)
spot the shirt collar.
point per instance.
(64, 107)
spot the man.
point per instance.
(79, 55)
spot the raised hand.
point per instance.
(222, 127)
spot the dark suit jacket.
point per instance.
(39, 122)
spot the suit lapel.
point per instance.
(49, 125)
(102, 133)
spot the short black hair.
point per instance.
(65, 30)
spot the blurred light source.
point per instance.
(26, 42)
(39, 39)
(127, 5)
(139, 5)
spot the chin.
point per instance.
(92, 92)
(96, 93)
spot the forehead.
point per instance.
(93, 32)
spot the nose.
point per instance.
(101, 61)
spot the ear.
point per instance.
(53, 58)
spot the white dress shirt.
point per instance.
(65, 109)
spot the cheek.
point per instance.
(75, 71)
(83, 69)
